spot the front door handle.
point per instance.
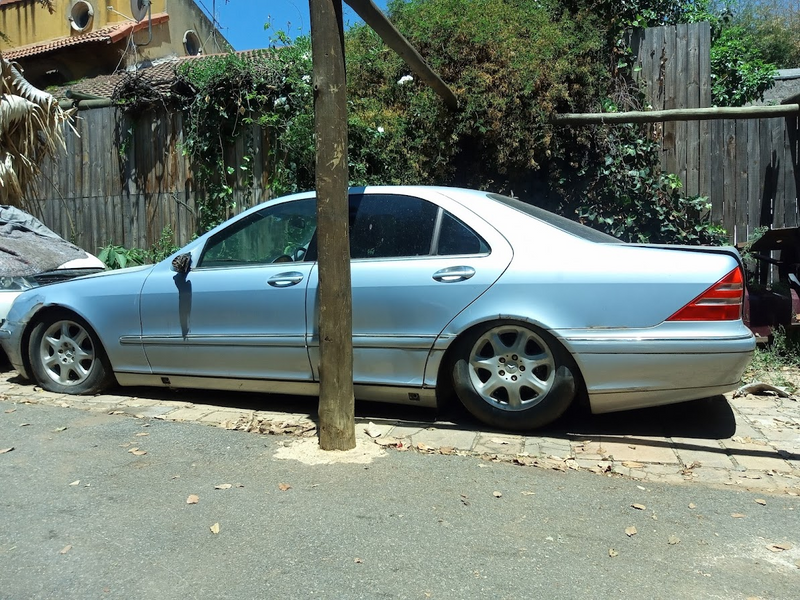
(287, 279)
(453, 274)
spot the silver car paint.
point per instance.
(606, 303)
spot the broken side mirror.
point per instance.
(182, 263)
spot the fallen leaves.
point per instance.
(193, 499)
(254, 424)
(737, 515)
(65, 549)
(497, 494)
(284, 487)
(137, 452)
(673, 540)
(630, 531)
(358, 561)
(779, 547)
(612, 553)
(4, 450)
(632, 464)
(372, 430)
(692, 505)
(214, 528)
(223, 486)
(76, 482)
(760, 501)
(638, 506)
(142, 434)
(59, 429)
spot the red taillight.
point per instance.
(721, 302)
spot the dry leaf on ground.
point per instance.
(59, 429)
(223, 486)
(612, 553)
(358, 561)
(65, 549)
(142, 434)
(638, 506)
(497, 494)
(24, 424)
(500, 441)
(673, 539)
(761, 501)
(214, 528)
(372, 430)
(193, 499)
(137, 452)
(779, 547)
(692, 505)
(630, 531)
(10, 410)
(4, 450)
(284, 486)
(737, 515)
(76, 482)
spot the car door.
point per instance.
(240, 312)
(415, 264)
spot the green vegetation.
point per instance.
(512, 64)
(777, 362)
(120, 257)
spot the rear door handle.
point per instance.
(287, 279)
(453, 274)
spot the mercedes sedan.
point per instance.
(515, 311)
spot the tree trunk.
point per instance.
(336, 404)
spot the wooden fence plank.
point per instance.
(753, 176)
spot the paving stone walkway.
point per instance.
(763, 453)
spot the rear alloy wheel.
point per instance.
(66, 356)
(513, 376)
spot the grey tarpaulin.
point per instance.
(28, 247)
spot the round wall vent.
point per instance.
(80, 15)
(191, 43)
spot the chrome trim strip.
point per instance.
(279, 341)
(658, 339)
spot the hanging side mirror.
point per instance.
(182, 263)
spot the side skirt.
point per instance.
(415, 396)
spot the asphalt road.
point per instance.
(83, 517)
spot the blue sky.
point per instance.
(242, 21)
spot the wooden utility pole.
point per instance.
(336, 403)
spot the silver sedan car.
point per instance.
(514, 310)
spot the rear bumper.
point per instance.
(624, 371)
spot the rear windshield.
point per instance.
(562, 223)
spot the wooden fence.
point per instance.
(746, 167)
(123, 182)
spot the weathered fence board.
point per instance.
(746, 167)
(121, 182)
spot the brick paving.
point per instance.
(763, 454)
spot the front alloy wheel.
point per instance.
(66, 357)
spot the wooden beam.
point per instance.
(679, 114)
(373, 17)
(336, 402)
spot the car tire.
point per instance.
(513, 376)
(66, 357)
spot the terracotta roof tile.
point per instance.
(108, 34)
(160, 75)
